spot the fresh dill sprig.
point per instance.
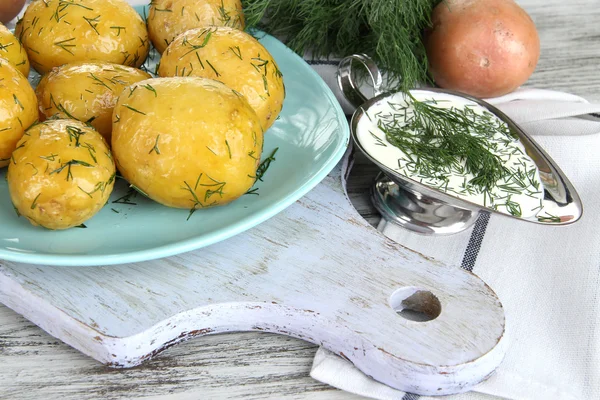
(204, 35)
(388, 31)
(155, 147)
(261, 170)
(265, 164)
(93, 22)
(66, 45)
(462, 150)
(126, 199)
(68, 166)
(439, 139)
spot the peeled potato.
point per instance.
(169, 18)
(234, 58)
(87, 92)
(12, 51)
(18, 109)
(485, 48)
(57, 32)
(62, 174)
(186, 142)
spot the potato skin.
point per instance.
(18, 109)
(85, 91)
(12, 51)
(55, 32)
(62, 174)
(485, 48)
(10, 9)
(186, 142)
(168, 19)
(234, 58)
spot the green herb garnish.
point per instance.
(93, 22)
(155, 148)
(441, 141)
(34, 203)
(68, 165)
(126, 199)
(388, 31)
(228, 148)
(193, 47)
(437, 140)
(265, 164)
(18, 102)
(236, 50)
(151, 88)
(66, 45)
(134, 109)
(213, 68)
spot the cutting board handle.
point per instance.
(317, 272)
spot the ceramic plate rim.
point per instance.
(197, 242)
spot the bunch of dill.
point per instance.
(390, 31)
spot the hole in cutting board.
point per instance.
(415, 304)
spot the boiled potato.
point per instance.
(62, 174)
(86, 91)
(234, 58)
(18, 109)
(169, 18)
(186, 142)
(57, 32)
(12, 50)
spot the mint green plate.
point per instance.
(312, 135)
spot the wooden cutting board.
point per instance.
(316, 271)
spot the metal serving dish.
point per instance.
(427, 210)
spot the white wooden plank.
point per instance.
(252, 365)
(316, 272)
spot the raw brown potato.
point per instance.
(18, 109)
(62, 174)
(57, 32)
(9, 9)
(169, 18)
(12, 51)
(234, 58)
(186, 142)
(485, 48)
(87, 92)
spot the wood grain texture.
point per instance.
(315, 271)
(237, 366)
(252, 365)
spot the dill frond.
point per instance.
(390, 31)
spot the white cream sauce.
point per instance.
(527, 201)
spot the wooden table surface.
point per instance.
(252, 365)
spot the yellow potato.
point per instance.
(169, 18)
(87, 92)
(12, 51)
(18, 109)
(186, 142)
(57, 32)
(234, 58)
(62, 174)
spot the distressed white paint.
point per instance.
(252, 365)
(316, 272)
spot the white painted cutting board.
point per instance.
(316, 271)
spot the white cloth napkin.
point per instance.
(548, 278)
